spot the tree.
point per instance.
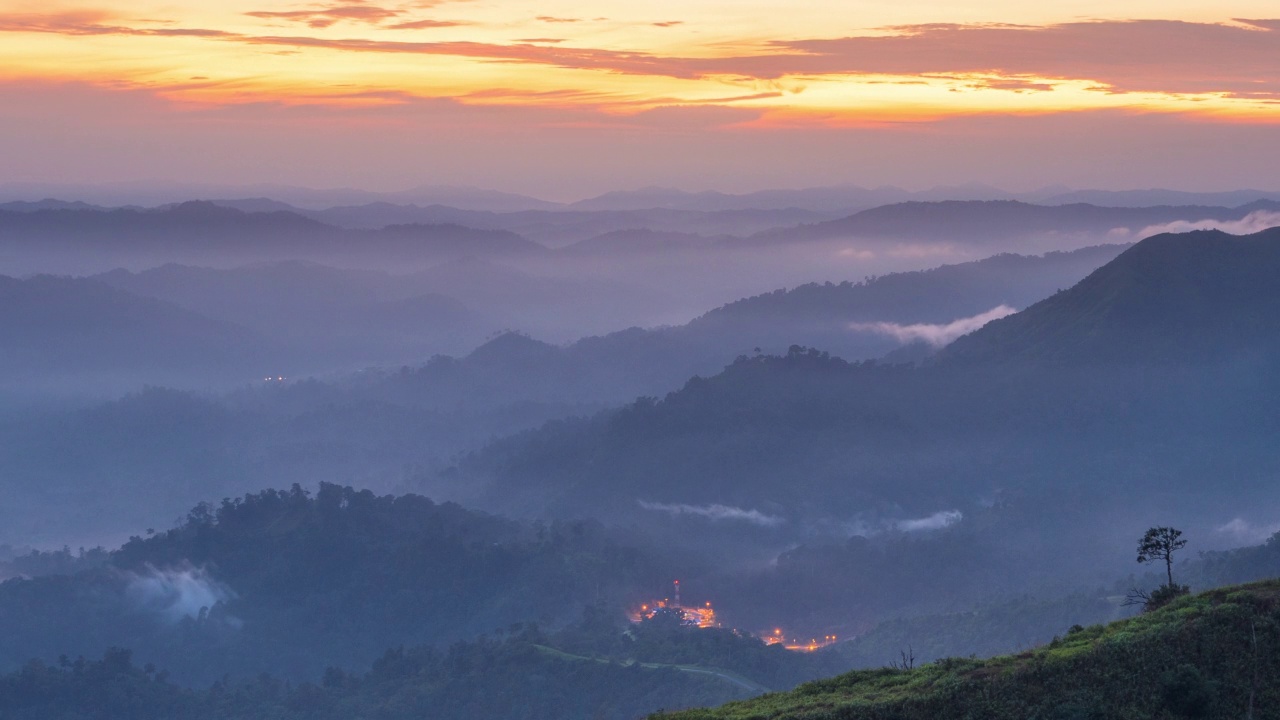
(1159, 543)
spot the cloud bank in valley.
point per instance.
(936, 335)
(177, 593)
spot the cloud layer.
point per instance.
(664, 95)
(1253, 222)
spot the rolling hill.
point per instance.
(1215, 655)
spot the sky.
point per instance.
(565, 99)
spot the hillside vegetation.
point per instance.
(1214, 655)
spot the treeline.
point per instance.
(521, 675)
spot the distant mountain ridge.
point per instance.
(994, 220)
(852, 198)
(150, 194)
(204, 230)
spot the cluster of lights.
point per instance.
(777, 638)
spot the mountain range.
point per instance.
(838, 199)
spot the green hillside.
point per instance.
(1213, 655)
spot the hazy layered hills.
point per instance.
(837, 199)
(55, 327)
(804, 440)
(849, 198)
(958, 218)
(856, 320)
(75, 240)
(150, 194)
(397, 426)
(319, 318)
(556, 228)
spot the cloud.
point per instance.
(1256, 221)
(694, 116)
(1012, 84)
(87, 22)
(1246, 533)
(936, 521)
(1125, 56)
(877, 526)
(715, 513)
(1156, 56)
(176, 594)
(935, 335)
(1148, 56)
(325, 16)
(424, 24)
(667, 23)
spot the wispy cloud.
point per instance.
(424, 24)
(1122, 56)
(869, 527)
(325, 16)
(715, 513)
(936, 335)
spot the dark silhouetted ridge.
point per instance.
(1172, 298)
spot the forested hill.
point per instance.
(1170, 299)
(1215, 655)
(292, 583)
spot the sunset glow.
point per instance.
(445, 66)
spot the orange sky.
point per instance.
(569, 97)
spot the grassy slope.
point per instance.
(1208, 655)
(733, 678)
